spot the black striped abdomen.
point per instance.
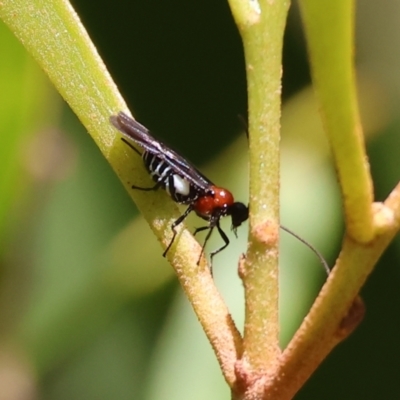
(178, 187)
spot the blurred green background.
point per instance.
(89, 309)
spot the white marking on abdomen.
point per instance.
(181, 185)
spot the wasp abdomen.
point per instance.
(178, 187)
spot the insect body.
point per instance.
(183, 182)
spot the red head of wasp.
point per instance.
(183, 182)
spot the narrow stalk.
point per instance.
(261, 25)
(329, 30)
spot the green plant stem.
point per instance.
(329, 31)
(262, 36)
(53, 35)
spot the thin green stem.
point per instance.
(329, 30)
(261, 25)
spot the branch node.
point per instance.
(352, 319)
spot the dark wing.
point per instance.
(139, 134)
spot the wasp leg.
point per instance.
(130, 145)
(175, 224)
(155, 187)
(203, 228)
(225, 239)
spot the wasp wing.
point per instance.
(139, 134)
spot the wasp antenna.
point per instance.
(311, 247)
